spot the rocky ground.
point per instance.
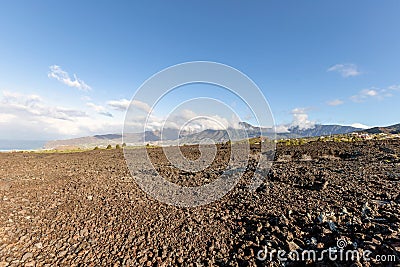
(86, 209)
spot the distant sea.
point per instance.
(12, 145)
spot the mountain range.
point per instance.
(393, 129)
(174, 136)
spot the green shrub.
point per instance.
(109, 147)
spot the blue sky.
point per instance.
(315, 61)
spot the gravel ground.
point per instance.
(85, 209)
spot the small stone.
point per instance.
(324, 184)
(90, 197)
(62, 254)
(332, 226)
(39, 245)
(292, 246)
(84, 232)
(283, 220)
(26, 256)
(313, 241)
(289, 236)
(321, 218)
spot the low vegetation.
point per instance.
(340, 138)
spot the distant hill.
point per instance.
(114, 139)
(173, 136)
(253, 131)
(393, 129)
(323, 130)
(85, 142)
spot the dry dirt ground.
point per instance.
(85, 209)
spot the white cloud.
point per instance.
(34, 105)
(370, 92)
(86, 98)
(188, 114)
(188, 120)
(106, 113)
(24, 116)
(99, 109)
(395, 87)
(84, 126)
(57, 73)
(123, 105)
(4, 117)
(335, 102)
(360, 125)
(141, 105)
(181, 119)
(346, 69)
(374, 93)
(282, 128)
(300, 119)
(95, 107)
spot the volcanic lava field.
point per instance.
(85, 209)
